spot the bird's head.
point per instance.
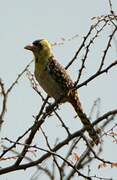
(40, 48)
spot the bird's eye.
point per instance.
(40, 46)
(36, 43)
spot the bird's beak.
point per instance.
(30, 47)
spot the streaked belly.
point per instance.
(49, 85)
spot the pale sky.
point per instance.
(22, 22)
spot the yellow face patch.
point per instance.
(46, 43)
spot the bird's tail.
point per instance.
(74, 100)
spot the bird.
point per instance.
(56, 82)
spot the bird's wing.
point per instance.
(59, 74)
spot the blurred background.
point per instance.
(22, 22)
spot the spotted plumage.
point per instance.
(56, 82)
(59, 74)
